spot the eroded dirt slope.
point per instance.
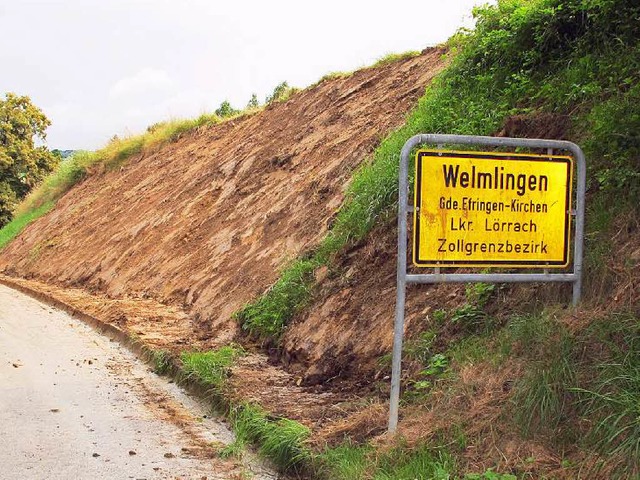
(349, 326)
(205, 223)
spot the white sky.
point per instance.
(103, 67)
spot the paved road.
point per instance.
(74, 405)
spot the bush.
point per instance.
(225, 110)
(280, 93)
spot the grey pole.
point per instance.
(578, 247)
(401, 275)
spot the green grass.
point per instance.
(591, 377)
(531, 333)
(359, 462)
(475, 349)
(418, 464)
(420, 349)
(395, 57)
(267, 317)
(610, 394)
(281, 440)
(212, 367)
(542, 398)
(345, 462)
(20, 222)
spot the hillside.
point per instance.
(206, 223)
(267, 245)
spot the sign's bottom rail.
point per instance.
(490, 277)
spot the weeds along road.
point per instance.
(75, 405)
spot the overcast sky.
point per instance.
(103, 67)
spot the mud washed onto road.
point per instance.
(75, 405)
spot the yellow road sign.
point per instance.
(478, 209)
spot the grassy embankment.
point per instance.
(543, 64)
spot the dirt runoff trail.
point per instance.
(74, 404)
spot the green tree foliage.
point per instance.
(280, 93)
(253, 102)
(226, 110)
(22, 164)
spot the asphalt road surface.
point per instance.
(75, 405)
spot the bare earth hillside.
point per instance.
(205, 223)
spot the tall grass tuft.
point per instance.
(281, 440)
(611, 398)
(267, 317)
(543, 397)
(212, 367)
(345, 462)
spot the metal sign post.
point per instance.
(547, 244)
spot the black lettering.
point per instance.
(510, 184)
(450, 177)
(484, 180)
(464, 179)
(543, 183)
(522, 179)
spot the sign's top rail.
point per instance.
(435, 138)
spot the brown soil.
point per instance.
(350, 326)
(206, 223)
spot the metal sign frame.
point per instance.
(403, 278)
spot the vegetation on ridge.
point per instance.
(22, 164)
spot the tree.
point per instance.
(22, 164)
(253, 102)
(226, 110)
(280, 93)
